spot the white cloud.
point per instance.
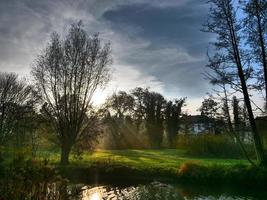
(127, 77)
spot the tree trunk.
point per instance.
(65, 152)
(257, 139)
(170, 140)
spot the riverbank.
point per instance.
(188, 172)
(161, 165)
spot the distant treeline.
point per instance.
(140, 118)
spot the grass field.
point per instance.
(168, 159)
(163, 165)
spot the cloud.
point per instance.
(154, 43)
(127, 78)
(164, 41)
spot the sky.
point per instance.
(155, 43)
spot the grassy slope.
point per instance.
(169, 159)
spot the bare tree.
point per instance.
(256, 32)
(67, 74)
(223, 22)
(16, 96)
(227, 84)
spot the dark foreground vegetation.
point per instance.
(31, 179)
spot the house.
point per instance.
(198, 124)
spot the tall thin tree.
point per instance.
(223, 22)
(173, 111)
(256, 32)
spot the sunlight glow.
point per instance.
(91, 193)
(95, 196)
(99, 97)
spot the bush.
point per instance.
(195, 172)
(209, 145)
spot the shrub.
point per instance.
(210, 145)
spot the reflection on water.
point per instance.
(156, 191)
(152, 191)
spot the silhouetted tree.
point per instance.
(209, 110)
(67, 74)
(150, 108)
(120, 120)
(121, 103)
(25, 125)
(226, 81)
(219, 76)
(17, 99)
(236, 114)
(173, 111)
(139, 111)
(256, 32)
(158, 134)
(223, 22)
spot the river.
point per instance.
(157, 190)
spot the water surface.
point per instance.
(157, 191)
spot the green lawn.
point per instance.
(163, 165)
(168, 159)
